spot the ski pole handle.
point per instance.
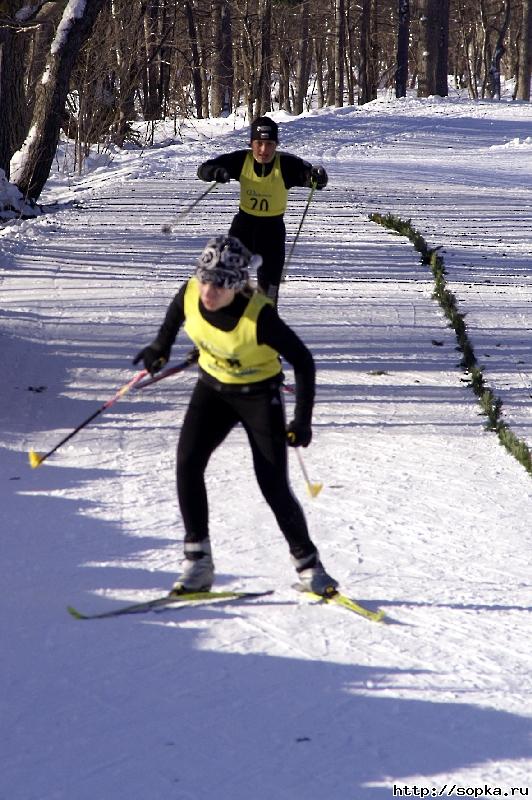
(191, 358)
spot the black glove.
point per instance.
(319, 177)
(221, 175)
(152, 358)
(298, 434)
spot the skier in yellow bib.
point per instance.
(265, 176)
(239, 336)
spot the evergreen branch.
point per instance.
(489, 403)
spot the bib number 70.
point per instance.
(261, 205)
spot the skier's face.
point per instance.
(263, 150)
(215, 297)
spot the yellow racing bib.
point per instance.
(232, 357)
(262, 197)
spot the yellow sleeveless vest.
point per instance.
(232, 357)
(262, 197)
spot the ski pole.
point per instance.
(190, 359)
(168, 227)
(36, 459)
(313, 488)
(285, 268)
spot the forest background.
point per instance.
(92, 68)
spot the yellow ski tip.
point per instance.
(314, 489)
(35, 459)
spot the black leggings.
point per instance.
(210, 416)
(267, 237)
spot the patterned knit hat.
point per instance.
(224, 262)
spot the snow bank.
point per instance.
(513, 143)
(13, 203)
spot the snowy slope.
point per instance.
(423, 513)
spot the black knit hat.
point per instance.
(264, 128)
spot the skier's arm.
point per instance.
(271, 330)
(297, 172)
(156, 354)
(223, 168)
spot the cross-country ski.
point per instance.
(170, 601)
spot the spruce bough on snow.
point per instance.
(490, 404)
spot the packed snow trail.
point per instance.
(422, 513)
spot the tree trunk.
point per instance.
(318, 53)
(302, 60)
(339, 52)
(467, 49)
(525, 53)
(223, 72)
(151, 105)
(41, 144)
(284, 80)
(350, 58)
(442, 62)
(428, 47)
(368, 41)
(194, 52)
(165, 54)
(403, 34)
(263, 102)
(494, 73)
(12, 99)
(331, 80)
(47, 19)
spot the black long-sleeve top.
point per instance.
(271, 331)
(295, 171)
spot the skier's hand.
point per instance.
(152, 358)
(298, 434)
(221, 175)
(319, 177)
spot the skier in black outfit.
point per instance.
(265, 177)
(240, 337)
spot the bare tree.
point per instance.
(467, 47)
(152, 100)
(194, 58)
(222, 71)
(493, 64)
(41, 143)
(12, 95)
(525, 52)
(40, 36)
(263, 90)
(154, 58)
(403, 34)
(126, 25)
(351, 53)
(428, 47)
(368, 78)
(302, 64)
(442, 58)
(339, 52)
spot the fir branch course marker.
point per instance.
(490, 404)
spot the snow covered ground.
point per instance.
(423, 513)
